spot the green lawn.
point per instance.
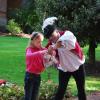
(12, 63)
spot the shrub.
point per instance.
(13, 92)
(13, 27)
(47, 90)
(26, 16)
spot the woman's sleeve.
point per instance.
(48, 44)
(68, 40)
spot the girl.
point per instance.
(34, 65)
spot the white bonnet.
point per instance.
(49, 21)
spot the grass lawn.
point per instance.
(12, 63)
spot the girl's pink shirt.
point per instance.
(34, 60)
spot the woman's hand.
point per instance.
(58, 44)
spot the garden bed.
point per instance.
(48, 89)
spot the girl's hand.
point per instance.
(50, 50)
(54, 53)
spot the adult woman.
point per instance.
(71, 58)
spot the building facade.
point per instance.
(5, 7)
(3, 12)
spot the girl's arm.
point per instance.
(29, 53)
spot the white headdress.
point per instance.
(34, 33)
(49, 21)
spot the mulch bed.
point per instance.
(3, 34)
(92, 96)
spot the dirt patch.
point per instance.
(92, 96)
(19, 35)
(24, 35)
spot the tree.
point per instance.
(79, 16)
(26, 16)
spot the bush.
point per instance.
(13, 92)
(26, 16)
(47, 90)
(13, 27)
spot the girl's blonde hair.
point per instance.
(34, 35)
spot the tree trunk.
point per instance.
(92, 45)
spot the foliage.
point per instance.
(25, 16)
(75, 15)
(82, 17)
(47, 90)
(13, 92)
(13, 27)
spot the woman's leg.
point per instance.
(63, 82)
(79, 77)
